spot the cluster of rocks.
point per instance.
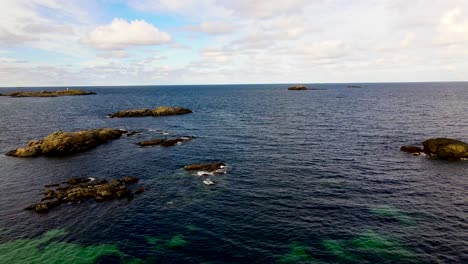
(301, 88)
(442, 148)
(158, 111)
(66, 143)
(164, 142)
(48, 93)
(81, 189)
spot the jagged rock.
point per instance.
(80, 189)
(210, 167)
(49, 93)
(411, 149)
(67, 143)
(158, 111)
(164, 142)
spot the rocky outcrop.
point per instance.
(442, 148)
(210, 167)
(66, 143)
(49, 93)
(76, 190)
(411, 149)
(301, 88)
(158, 111)
(164, 142)
(446, 148)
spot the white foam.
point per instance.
(205, 173)
(208, 182)
(92, 179)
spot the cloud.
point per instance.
(121, 34)
(264, 8)
(453, 28)
(213, 28)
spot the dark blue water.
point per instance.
(307, 169)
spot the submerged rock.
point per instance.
(67, 143)
(164, 142)
(411, 149)
(158, 111)
(49, 93)
(301, 88)
(210, 167)
(79, 189)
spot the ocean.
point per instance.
(313, 176)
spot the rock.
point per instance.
(446, 148)
(211, 167)
(411, 149)
(67, 143)
(140, 190)
(81, 189)
(301, 88)
(164, 142)
(49, 93)
(158, 111)
(354, 86)
(130, 179)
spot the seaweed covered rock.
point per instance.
(49, 93)
(66, 143)
(80, 189)
(446, 148)
(164, 142)
(411, 149)
(158, 111)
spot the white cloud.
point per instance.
(121, 34)
(453, 28)
(213, 28)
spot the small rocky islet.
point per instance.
(66, 143)
(76, 190)
(164, 142)
(302, 88)
(442, 148)
(158, 111)
(48, 93)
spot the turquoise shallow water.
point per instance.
(315, 177)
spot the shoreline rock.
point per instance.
(49, 93)
(81, 189)
(164, 142)
(411, 149)
(158, 111)
(209, 167)
(67, 143)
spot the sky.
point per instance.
(150, 42)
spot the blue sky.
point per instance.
(146, 42)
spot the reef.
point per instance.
(442, 148)
(66, 143)
(81, 189)
(49, 93)
(158, 111)
(164, 142)
(209, 167)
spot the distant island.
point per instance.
(354, 86)
(48, 93)
(301, 88)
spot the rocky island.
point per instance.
(76, 190)
(302, 88)
(49, 93)
(158, 111)
(209, 167)
(66, 143)
(164, 142)
(442, 148)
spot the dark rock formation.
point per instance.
(301, 88)
(446, 148)
(411, 149)
(158, 111)
(354, 86)
(140, 190)
(49, 93)
(210, 167)
(81, 189)
(67, 143)
(164, 142)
